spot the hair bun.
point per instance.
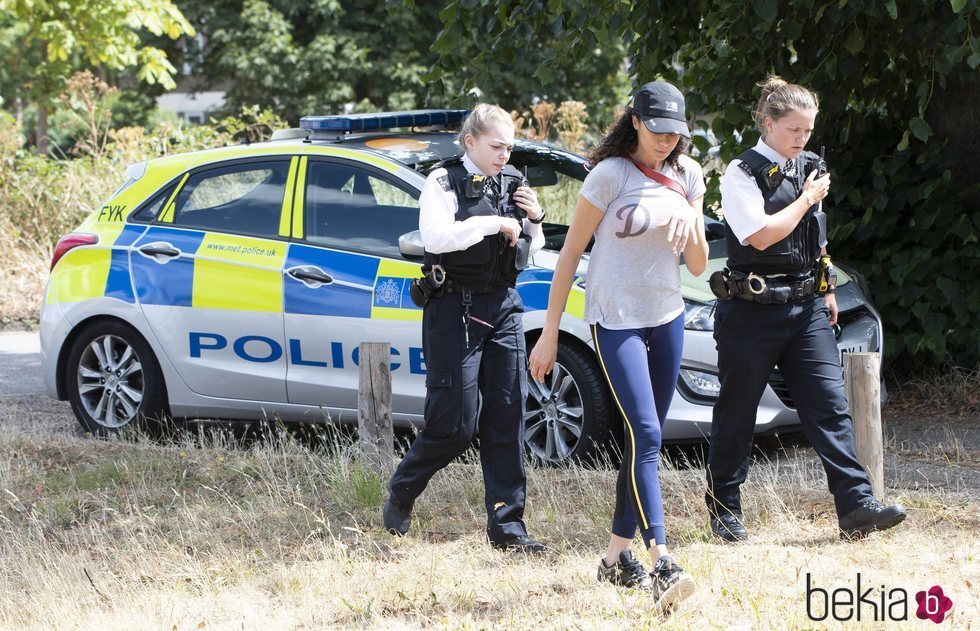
(771, 84)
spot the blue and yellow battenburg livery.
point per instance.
(229, 321)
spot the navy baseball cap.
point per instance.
(661, 108)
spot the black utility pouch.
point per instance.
(718, 282)
(424, 289)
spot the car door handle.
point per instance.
(160, 251)
(310, 275)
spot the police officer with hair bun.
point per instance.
(479, 222)
(776, 307)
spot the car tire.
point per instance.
(567, 417)
(114, 381)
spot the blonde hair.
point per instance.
(779, 98)
(480, 118)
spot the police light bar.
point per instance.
(383, 120)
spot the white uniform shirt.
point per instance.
(741, 199)
(437, 218)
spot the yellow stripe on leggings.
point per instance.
(636, 492)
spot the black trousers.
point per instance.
(752, 339)
(494, 365)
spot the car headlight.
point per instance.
(698, 316)
(701, 384)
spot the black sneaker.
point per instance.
(520, 544)
(627, 572)
(397, 517)
(869, 516)
(671, 584)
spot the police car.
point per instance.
(237, 283)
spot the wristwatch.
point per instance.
(539, 219)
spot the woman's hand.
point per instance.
(543, 355)
(527, 200)
(681, 226)
(831, 301)
(511, 228)
(816, 188)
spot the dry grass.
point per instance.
(953, 390)
(209, 534)
(22, 277)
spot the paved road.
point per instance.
(20, 363)
(24, 401)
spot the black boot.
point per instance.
(397, 517)
(869, 516)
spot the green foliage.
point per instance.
(45, 42)
(318, 58)
(898, 85)
(42, 199)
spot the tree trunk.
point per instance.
(42, 130)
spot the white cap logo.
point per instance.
(670, 106)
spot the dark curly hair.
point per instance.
(621, 138)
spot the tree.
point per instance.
(47, 41)
(894, 79)
(319, 57)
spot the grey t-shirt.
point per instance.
(633, 278)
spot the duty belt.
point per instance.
(767, 290)
(451, 286)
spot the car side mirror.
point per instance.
(410, 245)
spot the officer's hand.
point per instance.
(681, 226)
(831, 301)
(543, 356)
(816, 188)
(527, 200)
(510, 227)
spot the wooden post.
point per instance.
(863, 387)
(374, 406)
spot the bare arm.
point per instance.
(696, 250)
(584, 223)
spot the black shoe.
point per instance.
(520, 544)
(627, 572)
(397, 517)
(671, 584)
(729, 527)
(869, 516)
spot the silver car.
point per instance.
(237, 283)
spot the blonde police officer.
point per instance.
(779, 314)
(479, 222)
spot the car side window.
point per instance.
(349, 206)
(244, 198)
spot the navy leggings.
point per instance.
(641, 367)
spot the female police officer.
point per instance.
(476, 242)
(776, 316)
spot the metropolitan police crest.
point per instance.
(387, 292)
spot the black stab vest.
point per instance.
(796, 254)
(492, 263)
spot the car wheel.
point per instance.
(114, 381)
(567, 415)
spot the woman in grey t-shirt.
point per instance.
(642, 201)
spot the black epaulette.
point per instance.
(444, 180)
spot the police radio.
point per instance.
(821, 164)
(508, 207)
